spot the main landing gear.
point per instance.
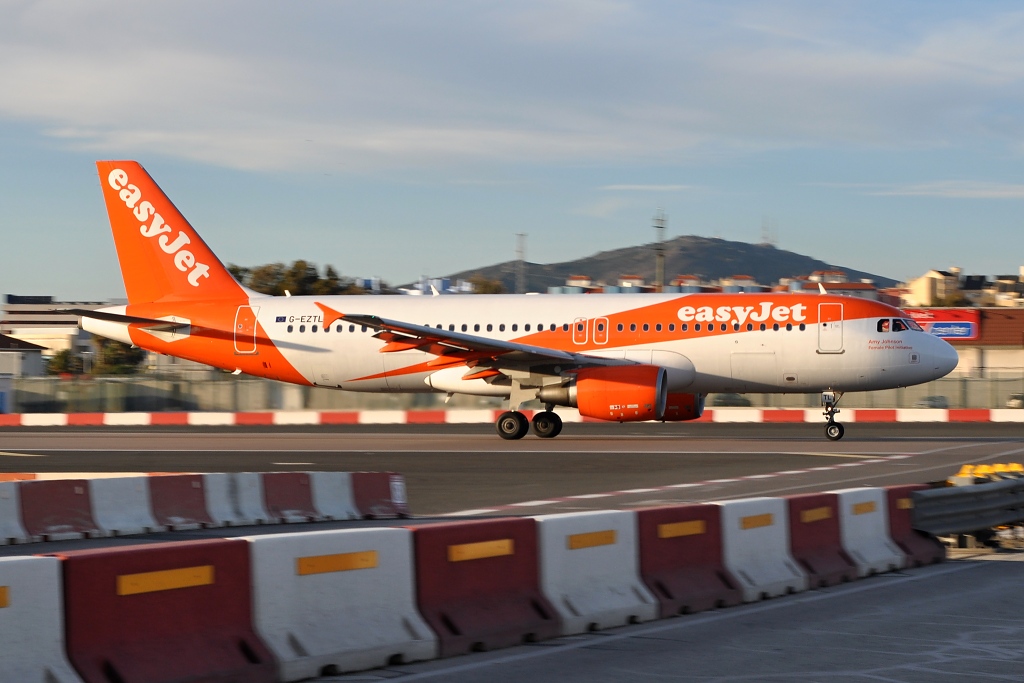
(513, 425)
(833, 430)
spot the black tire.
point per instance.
(547, 425)
(834, 431)
(512, 425)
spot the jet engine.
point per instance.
(622, 393)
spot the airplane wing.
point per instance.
(457, 348)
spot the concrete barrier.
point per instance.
(478, 584)
(288, 497)
(11, 529)
(235, 499)
(864, 523)
(332, 495)
(815, 539)
(919, 547)
(57, 510)
(179, 501)
(379, 495)
(32, 622)
(590, 570)
(163, 612)
(681, 558)
(755, 541)
(327, 602)
(122, 506)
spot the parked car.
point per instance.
(932, 402)
(1015, 401)
(730, 400)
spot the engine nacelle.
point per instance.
(683, 407)
(621, 393)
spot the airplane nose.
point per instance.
(944, 357)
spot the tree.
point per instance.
(301, 277)
(267, 279)
(116, 358)
(482, 285)
(64, 363)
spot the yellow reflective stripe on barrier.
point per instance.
(479, 551)
(757, 521)
(815, 515)
(169, 579)
(341, 562)
(677, 529)
(864, 508)
(591, 540)
(905, 504)
(5, 596)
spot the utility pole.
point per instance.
(521, 263)
(660, 221)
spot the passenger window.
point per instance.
(735, 327)
(684, 327)
(775, 327)
(671, 327)
(327, 328)
(657, 328)
(464, 327)
(763, 328)
(632, 327)
(351, 328)
(339, 328)
(476, 327)
(363, 329)
(489, 327)
(646, 327)
(451, 328)
(501, 327)
(302, 328)
(883, 325)
(724, 327)
(802, 327)
(696, 328)
(290, 328)
(789, 327)
(515, 327)
(600, 327)
(313, 329)
(552, 328)
(526, 327)
(565, 327)
(619, 327)
(750, 326)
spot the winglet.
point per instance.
(330, 315)
(821, 289)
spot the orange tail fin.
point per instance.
(162, 257)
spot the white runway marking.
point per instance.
(21, 455)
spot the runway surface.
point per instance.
(453, 469)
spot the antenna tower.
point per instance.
(660, 221)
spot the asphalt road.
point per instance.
(453, 469)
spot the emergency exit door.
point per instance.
(245, 330)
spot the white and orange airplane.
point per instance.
(623, 358)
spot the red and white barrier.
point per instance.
(32, 621)
(455, 416)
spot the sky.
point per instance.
(400, 139)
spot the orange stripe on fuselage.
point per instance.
(667, 313)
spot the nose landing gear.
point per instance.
(830, 400)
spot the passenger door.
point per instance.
(830, 328)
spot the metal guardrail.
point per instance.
(965, 509)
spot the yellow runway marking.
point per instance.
(22, 455)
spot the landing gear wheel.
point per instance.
(512, 425)
(547, 425)
(834, 431)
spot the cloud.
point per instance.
(956, 189)
(648, 188)
(351, 86)
(604, 208)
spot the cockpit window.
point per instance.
(898, 325)
(883, 325)
(912, 324)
